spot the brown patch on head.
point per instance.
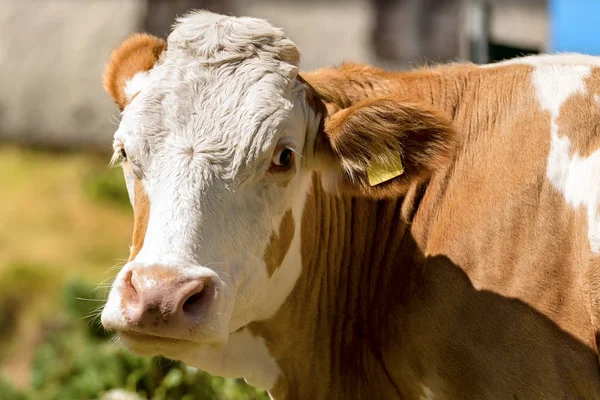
(280, 243)
(141, 214)
(136, 54)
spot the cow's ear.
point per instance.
(379, 146)
(127, 69)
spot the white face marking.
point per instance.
(576, 177)
(129, 183)
(203, 133)
(135, 84)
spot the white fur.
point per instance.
(550, 59)
(555, 78)
(135, 84)
(244, 355)
(556, 83)
(130, 184)
(202, 133)
(576, 177)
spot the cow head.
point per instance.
(219, 140)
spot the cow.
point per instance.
(357, 233)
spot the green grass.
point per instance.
(75, 360)
(107, 186)
(65, 220)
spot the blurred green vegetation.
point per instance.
(107, 185)
(77, 361)
(65, 222)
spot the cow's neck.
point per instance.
(331, 334)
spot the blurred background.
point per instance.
(65, 219)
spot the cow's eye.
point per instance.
(123, 154)
(283, 158)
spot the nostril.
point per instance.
(130, 291)
(152, 296)
(193, 303)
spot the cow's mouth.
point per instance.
(152, 345)
(147, 338)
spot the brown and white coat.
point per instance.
(260, 250)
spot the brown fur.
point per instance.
(138, 53)
(348, 84)
(473, 283)
(378, 126)
(476, 282)
(141, 215)
(280, 243)
(345, 86)
(580, 120)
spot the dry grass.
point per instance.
(46, 217)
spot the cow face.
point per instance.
(213, 141)
(218, 140)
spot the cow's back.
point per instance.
(509, 234)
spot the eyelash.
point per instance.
(119, 154)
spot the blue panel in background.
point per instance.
(575, 26)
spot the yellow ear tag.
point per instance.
(379, 172)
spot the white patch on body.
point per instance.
(135, 84)
(549, 59)
(244, 355)
(576, 177)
